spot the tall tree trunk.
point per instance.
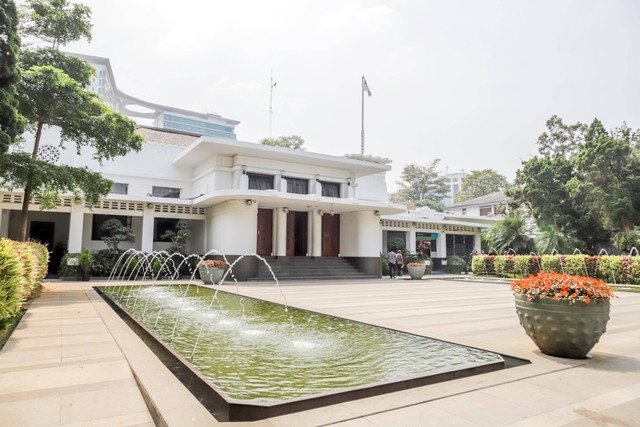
(24, 216)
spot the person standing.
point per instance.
(391, 257)
(399, 263)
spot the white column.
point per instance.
(411, 241)
(76, 225)
(441, 245)
(477, 242)
(147, 230)
(4, 222)
(316, 234)
(281, 232)
(318, 188)
(283, 185)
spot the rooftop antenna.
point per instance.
(271, 86)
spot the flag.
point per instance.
(365, 86)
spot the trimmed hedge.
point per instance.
(610, 268)
(23, 265)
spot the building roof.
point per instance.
(427, 215)
(167, 136)
(487, 199)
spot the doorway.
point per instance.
(43, 232)
(330, 235)
(265, 232)
(297, 232)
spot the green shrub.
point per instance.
(609, 268)
(22, 267)
(576, 265)
(550, 263)
(477, 264)
(455, 264)
(521, 265)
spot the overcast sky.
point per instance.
(469, 82)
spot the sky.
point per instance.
(470, 82)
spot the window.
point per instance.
(330, 189)
(161, 226)
(98, 220)
(298, 186)
(169, 192)
(120, 188)
(485, 210)
(260, 182)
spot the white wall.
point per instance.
(360, 234)
(372, 187)
(232, 228)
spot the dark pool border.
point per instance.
(224, 408)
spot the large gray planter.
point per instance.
(211, 275)
(416, 273)
(560, 328)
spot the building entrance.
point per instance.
(297, 233)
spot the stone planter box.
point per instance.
(416, 272)
(560, 328)
(211, 275)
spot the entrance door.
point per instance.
(297, 228)
(265, 232)
(43, 232)
(330, 235)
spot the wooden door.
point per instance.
(291, 233)
(330, 235)
(265, 232)
(297, 233)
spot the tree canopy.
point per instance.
(422, 186)
(51, 92)
(11, 122)
(585, 182)
(58, 22)
(480, 183)
(293, 141)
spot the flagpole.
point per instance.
(271, 103)
(362, 131)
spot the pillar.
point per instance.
(147, 229)
(441, 245)
(411, 241)
(4, 222)
(316, 234)
(281, 232)
(76, 226)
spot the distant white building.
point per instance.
(454, 181)
(103, 83)
(489, 205)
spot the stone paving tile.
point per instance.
(33, 412)
(425, 415)
(86, 406)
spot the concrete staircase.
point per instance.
(308, 268)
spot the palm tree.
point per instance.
(512, 232)
(558, 237)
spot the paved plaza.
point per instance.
(73, 362)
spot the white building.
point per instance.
(240, 197)
(104, 84)
(489, 205)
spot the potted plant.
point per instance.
(416, 270)
(212, 270)
(564, 315)
(85, 261)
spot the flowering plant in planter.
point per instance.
(563, 314)
(213, 263)
(562, 287)
(415, 264)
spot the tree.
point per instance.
(293, 141)
(553, 237)
(179, 237)
(512, 232)
(11, 122)
(585, 179)
(480, 183)
(56, 21)
(113, 232)
(422, 186)
(51, 93)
